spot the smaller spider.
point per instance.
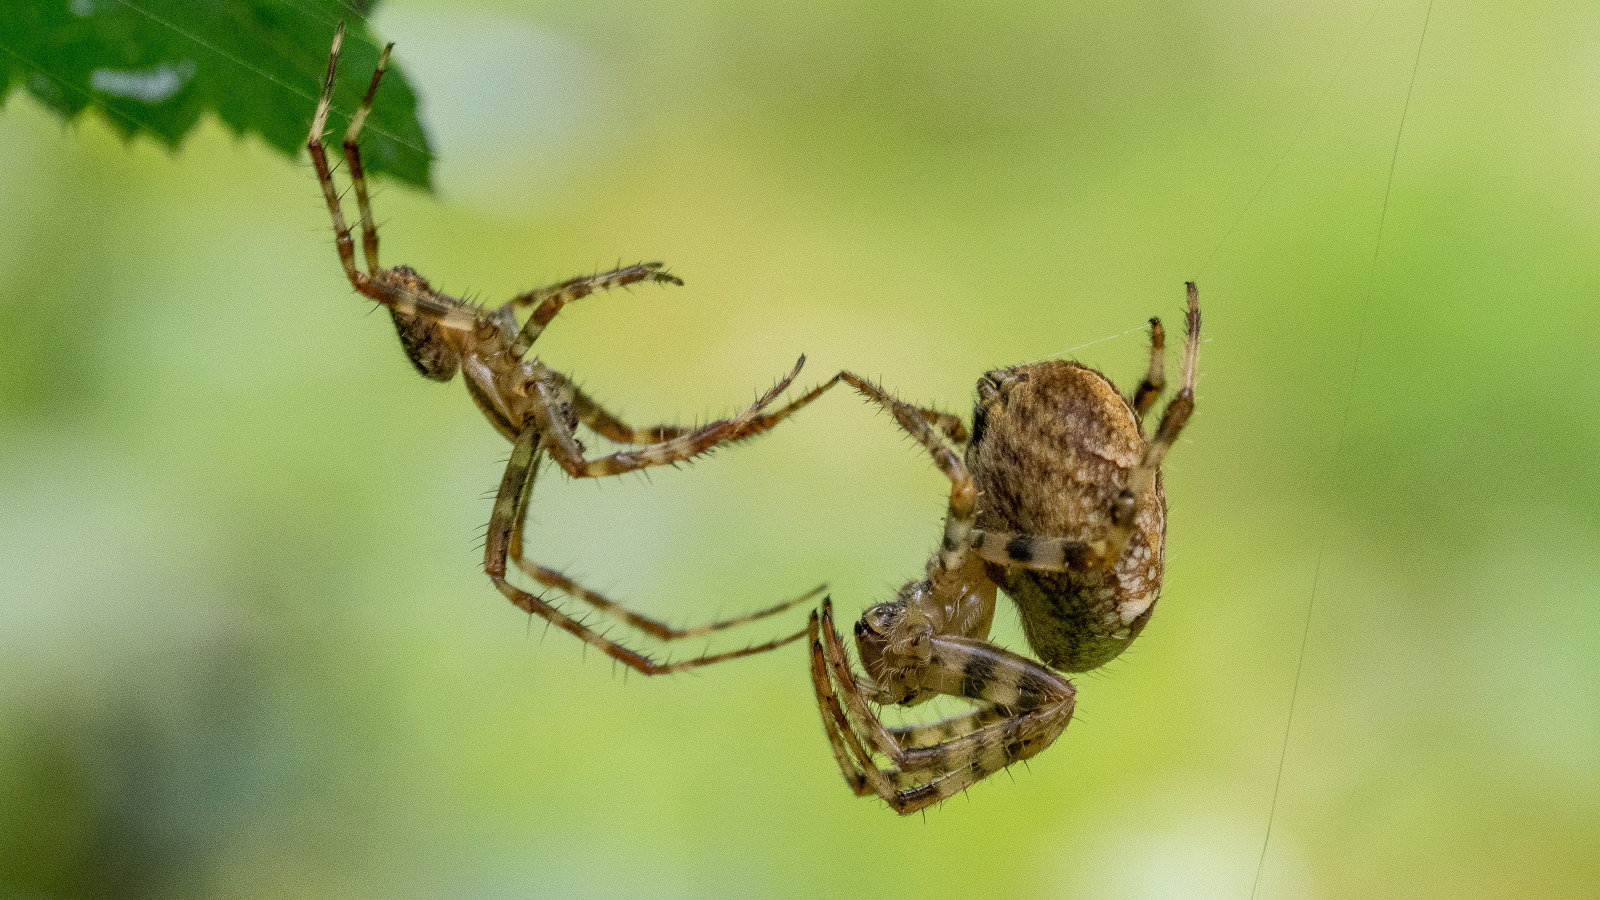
(535, 407)
(1059, 503)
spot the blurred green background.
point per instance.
(246, 649)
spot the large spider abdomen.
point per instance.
(1053, 444)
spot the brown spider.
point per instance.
(536, 408)
(1059, 503)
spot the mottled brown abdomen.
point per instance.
(1052, 446)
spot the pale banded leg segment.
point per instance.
(505, 528)
(950, 426)
(564, 448)
(962, 510)
(551, 299)
(1173, 418)
(657, 629)
(1026, 707)
(660, 630)
(1040, 554)
(609, 426)
(397, 298)
(352, 158)
(1156, 377)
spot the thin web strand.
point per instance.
(1338, 453)
(1289, 147)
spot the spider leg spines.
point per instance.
(550, 300)
(352, 157)
(855, 761)
(505, 531)
(319, 121)
(564, 450)
(657, 629)
(1024, 708)
(961, 512)
(607, 424)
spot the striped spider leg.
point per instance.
(533, 406)
(1059, 503)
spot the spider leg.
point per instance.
(1040, 554)
(961, 514)
(319, 160)
(564, 448)
(352, 158)
(1026, 707)
(1173, 418)
(510, 507)
(855, 763)
(555, 579)
(400, 300)
(1156, 376)
(551, 299)
(950, 426)
(930, 733)
(610, 426)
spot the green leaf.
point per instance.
(154, 67)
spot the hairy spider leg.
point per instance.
(962, 510)
(555, 579)
(951, 426)
(610, 426)
(653, 627)
(847, 749)
(510, 508)
(1173, 418)
(1044, 554)
(606, 424)
(352, 158)
(1027, 706)
(551, 299)
(553, 432)
(442, 311)
(563, 446)
(1155, 378)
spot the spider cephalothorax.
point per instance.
(537, 408)
(1059, 503)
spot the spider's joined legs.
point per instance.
(1023, 708)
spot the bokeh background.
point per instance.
(246, 649)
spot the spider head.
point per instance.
(993, 388)
(892, 648)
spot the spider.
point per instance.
(533, 406)
(1059, 503)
